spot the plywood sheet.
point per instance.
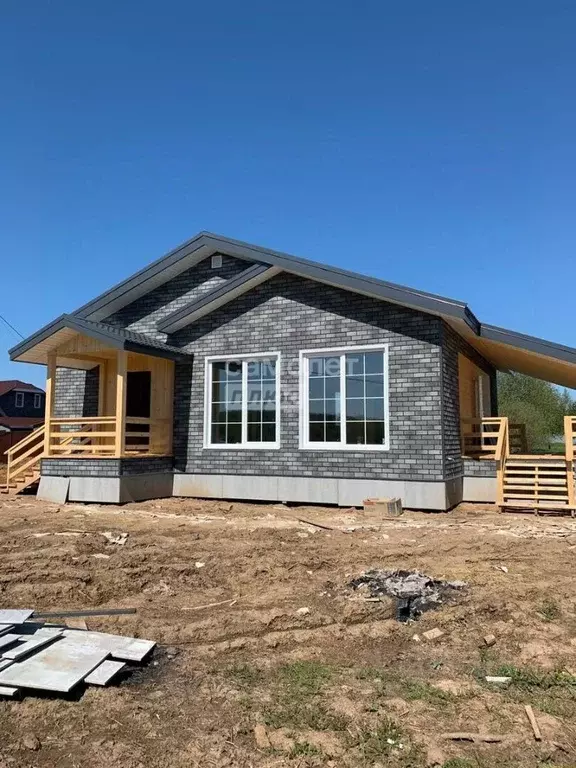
(58, 668)
(105, 672)
(8, 639)
(6, 691)
(4, 628)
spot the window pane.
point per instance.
(268, 433)
(268, 368)
(254, 433)
(332, 387)
(234, 371)
(374, 386)
(268, 390)
(317, 432)
(332, 367)
(218, 433)
(234, 433)
(234, 414)
(269, 411)
(234, 392)
(218, 371)
(332, 432)
(218, 391)
(254, 392)
(375, 409)
(355, 432)
(218, 412)
(316, 410)
(316, 388)
(354, 386)
(253, 370)
(374, 362)
(316, 366)
(375, 432)
(354, 364)
(254, 412)
(332, 410)
(355, 409)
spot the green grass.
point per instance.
(528, 678)
(549, 610)
(417, 690)
(244, 675)
(459, 762)
(386, 744)
(304, 749)
(305, 677)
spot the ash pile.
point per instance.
(55, 658)
(414, 592)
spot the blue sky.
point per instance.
(430, 144)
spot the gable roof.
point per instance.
(505, 349)
(35, 347)
(22, 386)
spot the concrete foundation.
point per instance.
(313, 490)
(480, 489)
(106, 490)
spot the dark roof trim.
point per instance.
(206, 244)
(246, 279)
(529, 343)
(113, 337)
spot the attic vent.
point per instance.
(217, 261)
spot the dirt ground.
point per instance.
(295, 669)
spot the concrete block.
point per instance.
(96, 489)
(201, 486)
(143, 487)
(480, 489)
(53, 489)
(253, 487)
(308, 490)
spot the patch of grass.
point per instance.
(298, 714)
(305, 677)
(369, 673)
(459, 762)
(549, 610)
(244, 675)
(387, 744)
(417, 690)
(527, 678)
(304, 749)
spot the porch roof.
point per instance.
(36, 348)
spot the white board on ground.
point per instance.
(41, 638)
(5, 691)
(104, 673)
(5, 663)
(4, 628)
(125, 648)
(14, 616)
(57, 668)
(8, 639)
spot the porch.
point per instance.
(125, 411)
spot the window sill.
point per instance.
(346, 448)
(241, 447)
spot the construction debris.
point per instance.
(414, 592)
(533, 722)
(489, 640)
(487, 738)
(432, 634)
(500, 680)
(57, 659)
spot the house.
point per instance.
(227, 370)
(21, 411)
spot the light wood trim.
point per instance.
(121, 371)
(50, 392)
(569, 425)
(94, 449)
(89, 433)
(84, 420)
(24, 442)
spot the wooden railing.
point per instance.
(481, 437)
(98, 436)
(25, 456)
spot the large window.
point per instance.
(344, 397)
(242, 402)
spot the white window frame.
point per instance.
(305, 355)
(37, 400)
(244, 445)
(19, 400)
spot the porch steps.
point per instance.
(24, 481)
(536, 482)
(23, 469)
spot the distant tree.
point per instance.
(539, 405)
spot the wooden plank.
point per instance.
(118, 646)
(14, 615)
(8, 639)
(533, 722)
(105, 672)
(8, 692)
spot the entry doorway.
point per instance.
(138, 401)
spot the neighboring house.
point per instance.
(227, 370)
(22, 400)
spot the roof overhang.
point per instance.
(36, 348)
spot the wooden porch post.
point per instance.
(121, 369)
(49, 407)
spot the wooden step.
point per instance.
(536, 497)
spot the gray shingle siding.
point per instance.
(288, 314)
(479, 468)
(76, 392)
(144, 313)
(72, 467)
